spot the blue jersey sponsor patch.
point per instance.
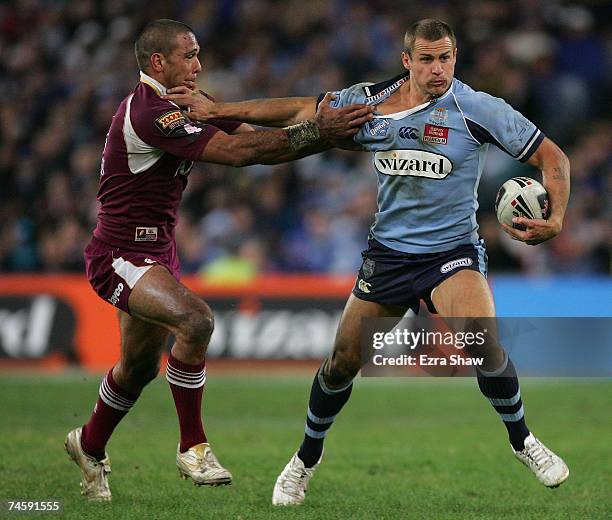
(378, 127)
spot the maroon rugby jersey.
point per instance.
(149, 151)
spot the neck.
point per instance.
(153, 82)
(412, 95)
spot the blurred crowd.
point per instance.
(66, 66)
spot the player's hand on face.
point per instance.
(337, 123)
(536, 230)
(199, 106)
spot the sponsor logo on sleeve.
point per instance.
(170, 121)
(435, 134)
(146, 234)
(453, 264)
(190, 129)
(416, 163)
(378, 127)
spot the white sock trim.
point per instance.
(326, 389)
(113, 399)
(185, 379)
(497, 371)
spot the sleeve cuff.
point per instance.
(531, 146)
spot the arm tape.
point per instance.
(303, 134)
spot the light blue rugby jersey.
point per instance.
(429, 160)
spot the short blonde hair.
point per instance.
(428, 29)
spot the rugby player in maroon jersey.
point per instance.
(131, 260)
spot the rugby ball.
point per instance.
(521, 197)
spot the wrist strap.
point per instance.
(303, 134)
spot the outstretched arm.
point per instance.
(555, 168)
(329, 127)
(265, 112)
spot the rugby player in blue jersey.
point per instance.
(429, 139)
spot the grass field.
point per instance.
(401, 449)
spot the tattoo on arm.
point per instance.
(559, 174)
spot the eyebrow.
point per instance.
(196, 50)
(427, 55)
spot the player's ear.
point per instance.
(406, 60)
(156, 61)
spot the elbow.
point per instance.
(562, 159)
(566, 162)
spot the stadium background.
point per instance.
(274, 249)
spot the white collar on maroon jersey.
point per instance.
(154, 84)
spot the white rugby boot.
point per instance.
(94, 473)
(200, 465)
(292, 483)
(549, 468)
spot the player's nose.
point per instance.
(198, 66)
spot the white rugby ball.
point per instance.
(521, 197)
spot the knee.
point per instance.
(197, 326)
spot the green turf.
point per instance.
(401, 449)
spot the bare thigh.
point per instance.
(161, 299)
(345, 360)
(465, 294)
(465, 302)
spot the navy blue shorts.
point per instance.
(392, 277)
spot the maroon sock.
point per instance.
(113, 403)
(187, 385)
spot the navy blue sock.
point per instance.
(501, 388)
(323, 406)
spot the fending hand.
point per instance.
(200, 107)
(338, 123)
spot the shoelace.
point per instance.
(211, 460)
(95, 464)
(540, 456)
(296, 479)
(99, 479)
(207, 459)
